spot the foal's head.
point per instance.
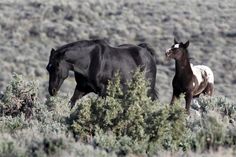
(177, 51)
(58, 71)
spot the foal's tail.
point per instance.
(150, 49)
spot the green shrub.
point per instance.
(216, 126)
(218, 104)
(167, 127)
(9, 148)
(120, 124)
(132, 123)
(58, 106)
(20, 97)
(11, 124)
(129, 122)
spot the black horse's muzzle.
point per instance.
(52, 91)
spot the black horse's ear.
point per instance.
(175, 41)
(53, 51)
(186, 44)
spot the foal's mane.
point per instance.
(188, 56)
(186, 52)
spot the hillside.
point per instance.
(29, 29)
(123, 124)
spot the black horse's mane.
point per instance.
(81, 44)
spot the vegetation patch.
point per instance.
(122, 124)
(130, 122)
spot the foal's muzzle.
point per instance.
(168, 53)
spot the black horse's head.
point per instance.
(177, 50)
(58, 70)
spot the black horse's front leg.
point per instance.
(77, 95)
(188, 99)
(103, 91)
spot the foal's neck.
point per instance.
(182, 67)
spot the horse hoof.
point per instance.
(71, 104)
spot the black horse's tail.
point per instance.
(150, 50)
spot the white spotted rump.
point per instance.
(200, 70)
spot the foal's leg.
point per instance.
(188, 99)
(77, 95)
(175, 96)
(173, 99)
(209, 89)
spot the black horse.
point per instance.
(189, 80)
(95, 62)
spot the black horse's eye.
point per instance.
(50, 67)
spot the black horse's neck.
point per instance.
(182, 67)
(80, 60)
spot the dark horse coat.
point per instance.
(94, 62)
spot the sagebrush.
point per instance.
(121, 124)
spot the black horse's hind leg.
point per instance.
(152, 94)
(152, 91)
(77, 95)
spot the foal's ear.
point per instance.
(186, 44)
(175, 41)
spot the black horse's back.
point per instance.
(150, 49)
